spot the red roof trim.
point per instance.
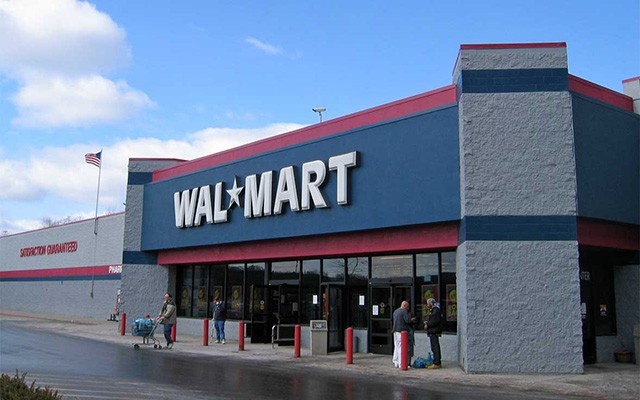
(615, 235)
(157, 159)
(512, 46)
(396, 109)
(417, 238)
(635, 78)
(601, 93)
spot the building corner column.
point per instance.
(631, 87)
(144, 282)
(518, 271)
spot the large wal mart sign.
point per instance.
(401, 172)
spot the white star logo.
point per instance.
(234, 193)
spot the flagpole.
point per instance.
(95, 228)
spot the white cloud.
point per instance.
(263, 46)
(12, 175)
(58, 53)
(61, 172)
(60, 101)
(58, 36)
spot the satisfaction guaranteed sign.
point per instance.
(49, 249)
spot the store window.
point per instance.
(358, 271)
(184, 288)
(285, 270)
(449, 291)
(436, 278)
(333, 270)
(310, 290)
(357, 285)
(200, 281)
(216, 284)
(427, 285)
(255, 275)
(235, 292)
(393, 266)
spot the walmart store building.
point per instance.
(511, 196)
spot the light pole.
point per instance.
(319, 110)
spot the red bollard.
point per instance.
(173, 332)
(123, 323)
(349, 345)
(404, 350)
(296, 342)
(241, 336)
(205, 332)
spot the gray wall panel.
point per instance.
(85, 297)
(72, 298)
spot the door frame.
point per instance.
(341, 308)
(394, 286)
(589, 347)
(262, 319)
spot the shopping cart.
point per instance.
(145, 327)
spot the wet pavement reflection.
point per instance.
(168, 374)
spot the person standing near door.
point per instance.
(433, 326)
(401, 322)
(219, 318)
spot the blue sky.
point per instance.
(185, 79)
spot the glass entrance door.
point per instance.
(384, 300)
(261, 314)
(286, 304)
(333, 309)
(273, 305)
(588, 327)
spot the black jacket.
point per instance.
(434, 323)
(220, 311)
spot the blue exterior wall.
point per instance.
(607, 140)
(514, 80)
(407, 173)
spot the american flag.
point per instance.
(93, 158)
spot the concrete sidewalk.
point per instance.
(601, 381)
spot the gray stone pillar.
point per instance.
(631, 87)
(144, 282)
(518, 273)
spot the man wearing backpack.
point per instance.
(433, 326)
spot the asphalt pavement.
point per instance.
(599, 381)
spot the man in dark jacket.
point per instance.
(433, 325)
(219, 317)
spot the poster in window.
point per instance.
(216, 291)
(185, 299)
(428, 292)
(452, 303)
(235, 309)
(201, 300)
